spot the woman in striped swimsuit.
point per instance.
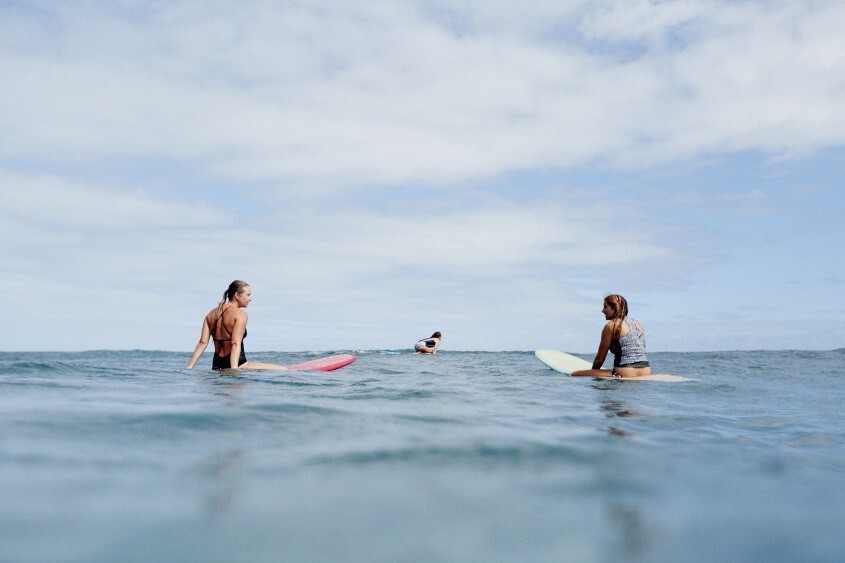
(625, 338)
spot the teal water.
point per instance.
(464, 456)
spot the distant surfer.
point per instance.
(625, 338)
(428, 345)
(226, 324)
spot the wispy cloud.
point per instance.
(386, 95)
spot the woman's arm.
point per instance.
(205, 336)
(237, 338)
(604, 346)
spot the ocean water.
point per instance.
(464, 456)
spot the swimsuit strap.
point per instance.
(217, 322)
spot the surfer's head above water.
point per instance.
(615, 307)
(236, 287)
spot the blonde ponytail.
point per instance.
(236, 287)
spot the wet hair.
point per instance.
(620, 310)
(436, 335)
(618, 304)
(236, 287)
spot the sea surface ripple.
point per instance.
(463, 456)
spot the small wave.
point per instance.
(171, 424)
(288, 381)
(483, 453)
(390, 394)
(41, 368)
(294, 408)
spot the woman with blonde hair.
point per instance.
(226, 325)
(625, 338)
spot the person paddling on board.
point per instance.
(226, 324)
(428, 345)
(625, 338)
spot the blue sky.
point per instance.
(381, 170)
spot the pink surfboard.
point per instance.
(329, 363)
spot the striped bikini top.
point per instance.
(631, 347)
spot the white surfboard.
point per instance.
(561, 361)
(567, 363)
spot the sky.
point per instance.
(378, 171)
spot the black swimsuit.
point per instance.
(224, 362)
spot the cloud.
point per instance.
(481, 241)
(649, 23)
(331, 94)
(46, 215)
(74, 246)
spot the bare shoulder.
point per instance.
(614, 326)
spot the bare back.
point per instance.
(221, 328)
